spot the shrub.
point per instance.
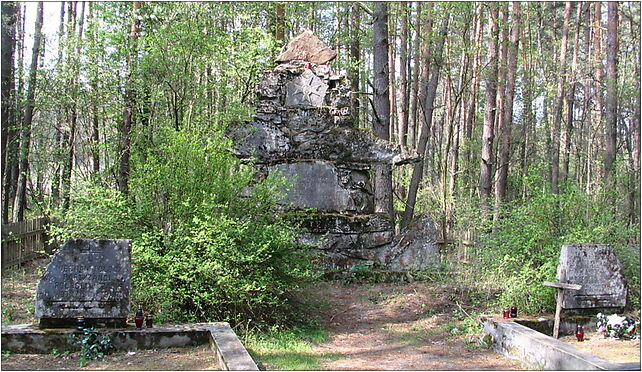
(208, 243)
(523, 252)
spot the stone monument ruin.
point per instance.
(596, 268)
(303, 128)
(87, 278)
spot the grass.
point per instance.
(414, 335)
(288, 349)
(18, 292)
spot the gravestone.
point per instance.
(88, 278)
(596, 268)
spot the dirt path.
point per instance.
(399, 327)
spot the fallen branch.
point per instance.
(341, 312)
(468, 315)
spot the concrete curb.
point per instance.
(230, 353)
(540, 351)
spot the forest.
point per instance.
(526, 114)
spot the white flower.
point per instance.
(615, 320)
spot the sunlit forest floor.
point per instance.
(393, 326)
(427, 325)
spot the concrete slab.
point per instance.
(231, 354)
(540, 351)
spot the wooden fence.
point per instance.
(23, 241)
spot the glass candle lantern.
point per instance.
(579, 333)
(506, 313)
(513, 312)
(149, 321)
(138, 319)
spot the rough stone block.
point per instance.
(415, 249)
(596, 268)
(307, 47)
(305, 91)
(323, 186)
(88, 278)
(341, 224)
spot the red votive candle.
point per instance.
(579, 333)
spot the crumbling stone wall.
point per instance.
(303, 128)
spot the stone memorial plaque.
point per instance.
(306, 90)
(89, 278)
(596, 268)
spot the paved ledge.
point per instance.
(228, 348)
(231, 354)
(540, 351)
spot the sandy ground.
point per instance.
(200, 358)
(399, 327)
(612, 349)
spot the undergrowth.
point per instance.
(288, 348)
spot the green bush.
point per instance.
(523, 252)
(209, 244)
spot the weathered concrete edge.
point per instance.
(231, 354)
(541, 351)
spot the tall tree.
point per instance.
(279, 24)
(383, 172)
(506, 116)
(414, 90)
(130, 96)
(635, 123)
(403, 76)
(429, 106)
(9, 18)
(73, 84)
(355, 58)
(424, 64)
(95, 140)
(561, 88)
(611, 93)
(490, 79)
(56, 176)
(569, 99)
(598, 75)
(392, 71)
(25, 133)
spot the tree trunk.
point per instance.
(73, 109)
(95, 140)
(25, 134)
(403, 76)
(471, 110)
(56, 177)
(527, 59)
(598, 93)
(355, 60)
(18, 110)
(561, 88)
(611, 94)
(383, 172)
(9, 18)
(635, 123)
(130, 96)
(428, 105)
(279, 24)
(570, 99)
(506, 118)
(488, 135)
(414, 93)
(392, 89)
(426, 31)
